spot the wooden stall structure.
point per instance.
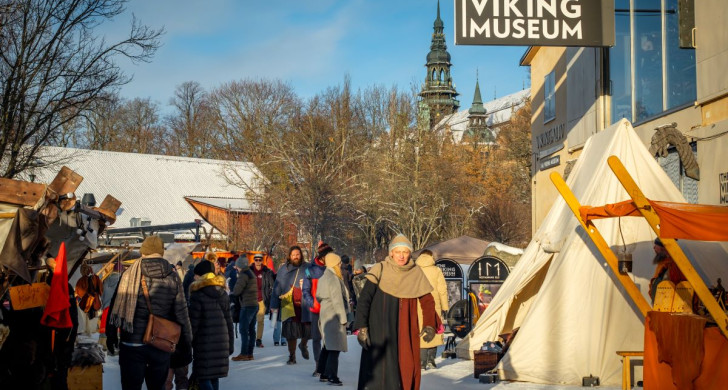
(676, 343)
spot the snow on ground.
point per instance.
(269, 370)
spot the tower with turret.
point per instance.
(438, 94)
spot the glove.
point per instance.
(112, 342)
(363, 338)
(427, 334)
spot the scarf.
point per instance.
(401, 281)
(122, 314)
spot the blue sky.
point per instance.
(310, 44)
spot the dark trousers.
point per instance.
(143, 364)
(315, 336)
(247, 329)
(328, 363)
(209, 384)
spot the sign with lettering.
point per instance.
(534, 22)
(550, 136)
(488, 269)
(450, 269)
(549, 162)
(723, 182)
(28, 296)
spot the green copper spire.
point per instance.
(438, 92)
(477, 106)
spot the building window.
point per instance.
(650, 74)
(549, 100)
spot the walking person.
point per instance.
(139, 362)
(428, 349)
(288, 285)
(310, 283)
(386, 317)
(246, 292)
(333, 296)
(212, 327)
(264, 283)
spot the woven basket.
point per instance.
(483, 362)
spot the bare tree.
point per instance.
(54, 67)
(191, 126)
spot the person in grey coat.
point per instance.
(333, 296)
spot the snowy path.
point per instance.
(269, 370)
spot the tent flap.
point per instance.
(677, 220)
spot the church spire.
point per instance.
(438, 92)
(477, 106)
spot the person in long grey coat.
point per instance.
(334, 299)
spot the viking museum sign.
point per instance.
(534, 22)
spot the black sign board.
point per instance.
(450, 269)
(534, 22)
(549, 162)
(488, 269)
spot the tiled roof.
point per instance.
(151, 187)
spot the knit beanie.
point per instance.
(152, 244)
(241, 262)
(323, 249)
(332, 259)
(400, 240)
(205, 267)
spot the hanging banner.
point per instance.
(534, 22)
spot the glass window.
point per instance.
(619, 64)
(549, 100)
(649, 72)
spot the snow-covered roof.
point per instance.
(498, 111)
(232, 204)
(152, 187)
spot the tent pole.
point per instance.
(683, 263)
(627, 283)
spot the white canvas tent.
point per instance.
(572, 314)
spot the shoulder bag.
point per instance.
(161, 333)
(287, 308)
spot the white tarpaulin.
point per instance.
(572, 313)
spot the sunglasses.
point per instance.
(257, 259)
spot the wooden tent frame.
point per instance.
(653, 219)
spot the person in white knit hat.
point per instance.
(386, 319)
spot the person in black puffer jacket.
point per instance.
(129, 313)
(246, 292)
(212, 327)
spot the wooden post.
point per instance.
(683, 263)
(629, 286)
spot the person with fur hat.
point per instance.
(428, 350)
(386, 318)
(333, 297)
(212, 327)
(139, 362)
(246, 292)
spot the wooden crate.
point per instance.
(86, 378)
(483, 362)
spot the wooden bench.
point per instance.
(626, 369)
